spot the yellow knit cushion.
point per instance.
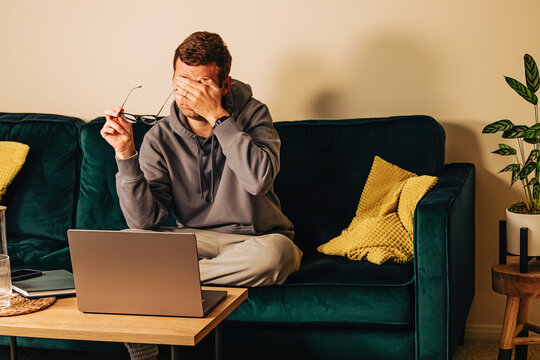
(382, 229)
(12, 157)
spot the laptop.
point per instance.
(139, 272)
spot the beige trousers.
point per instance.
(244, 260)
(238, 260)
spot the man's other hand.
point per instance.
(203, 97)
(118, 133)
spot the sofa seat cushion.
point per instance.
(333, 289)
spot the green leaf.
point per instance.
(517, 131)
(533, 181)
(515, 177)
(531, 73)
(531, 133)
(533, 156)
(500, 125)
(535, 126)
(505, 146)
(526, 170)
(536, 191)
(522, 90)
(504, 152)
(511, 167)
(532, 140)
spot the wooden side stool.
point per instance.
(519, 288)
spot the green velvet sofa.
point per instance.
(332, 308)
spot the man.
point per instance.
(214, 160)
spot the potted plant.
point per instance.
(526, 168)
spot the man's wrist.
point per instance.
(125, 154)
(214, 117)
(220, 120)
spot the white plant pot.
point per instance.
(516, 221)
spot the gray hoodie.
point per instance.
(222, 183)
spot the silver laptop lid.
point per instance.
(136, 272)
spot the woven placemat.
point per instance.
(20, 305)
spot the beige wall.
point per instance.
(305, 59)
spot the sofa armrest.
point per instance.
(444, 246)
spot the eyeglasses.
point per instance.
(147, 119)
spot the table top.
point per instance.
(63, 320)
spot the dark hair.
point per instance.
(203, 48)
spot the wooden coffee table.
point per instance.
(63, 320)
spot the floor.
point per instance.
(488, 349)
(35, 354)
(471, 350)
(42, 354)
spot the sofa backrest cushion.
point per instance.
(42, 198)
(98, 206)
(325, 164)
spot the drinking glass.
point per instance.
(5, 281)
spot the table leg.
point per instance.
(509, 326)
(13, 347)
(218, 342)
(523, 318)
(175, 352)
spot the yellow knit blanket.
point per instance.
(382, 229)
(12, 157)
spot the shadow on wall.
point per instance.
(462, 141)
(396, 74)
(388, 74)
(493, 195)
(306, 85)
(492, 198)
(466, 143)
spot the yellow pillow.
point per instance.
(12, 157)
(382, 229)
